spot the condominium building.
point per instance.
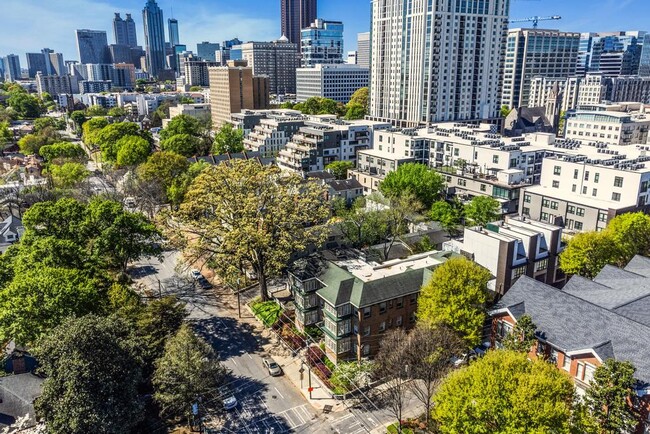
(355, 301)
(197, 111)
(323, 141)
(363, 50)
(512, 248)
(597, 89)
(47, 61)
(277, 60)
(473, 159)
(437, 65)
(615, 124)
(536, 53)
(56, 84)
(321, 43)
(196, 72)
(273, 132)
(584, 188)
(546, 90)
(233, 89)
(95, 86)
(337, 82)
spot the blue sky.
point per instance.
(29, 25)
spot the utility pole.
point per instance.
(238, 298)
(309, 388)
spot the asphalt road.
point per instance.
(266, 404)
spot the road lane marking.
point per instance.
(249, 356)
(276, 389)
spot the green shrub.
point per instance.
(268, 312)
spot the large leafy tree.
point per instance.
(611, 396)
(132, 151)
(37, 300)
(246, 216)
(64, 151)
(109, 137)
(25, 105)
(163, 168)
(447, 215)
(340, 168)
(6, 136)
(187, 371)
(361, 97)
(426, 184)
(182, 124)
(228, 140)
(68, 175)
(92, 371)
(456, 296)
(505, 393)
(182, 144)
(625, 236)
(482, 210)
(91, 129)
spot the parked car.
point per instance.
(196, 274)
(228, 399)
(471, 355)
(203, 283)
(272, 366)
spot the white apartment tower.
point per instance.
(437, 60)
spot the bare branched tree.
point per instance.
(391, 365)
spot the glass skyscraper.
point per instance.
(154, 37)
(124, 31)
(322, 43)
(172, 24)
(93, 46)
(296, 15)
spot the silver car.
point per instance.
(272, 366)
(228, 399)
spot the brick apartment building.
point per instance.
(586, 323)
(355, 302)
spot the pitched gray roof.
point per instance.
(639, 265)
(610, 295)
(18, 393)
(346, 184)
(573, 324)
(11, 223)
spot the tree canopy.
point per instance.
(92, 374)
(340, 168)
(252, 217)
(108, 138)
(132, 151)
(611, 396)
(625, 236)
(456, 295)
(482, 210)
(187, 371)
(426, 184)
(68, 175)
(62, 150)
(24, 105)
(228, 140)
(447, 215)
(502, 393)
(182, 144)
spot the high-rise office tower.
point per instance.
(610, 53)
(207, 50)
(363, 50)
(437, 60)
(321, 43)
(536, 53)
(124, 31)
(295, 16)
(154, 37)
(92, 46)
(172, 27)
(12, 67)
(276, 59)
(36, 63)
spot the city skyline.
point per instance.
(260, 20)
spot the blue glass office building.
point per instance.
(154, 37)
(322, 43)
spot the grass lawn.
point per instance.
(268, 312)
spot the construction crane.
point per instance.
(536, 20)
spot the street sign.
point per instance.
(301, 370)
